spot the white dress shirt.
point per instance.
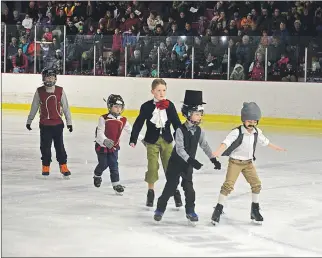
(246, 149)
(101, 129)
(159, 117)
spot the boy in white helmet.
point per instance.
(107, 141)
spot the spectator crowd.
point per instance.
(179, 39)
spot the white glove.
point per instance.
(108, 143)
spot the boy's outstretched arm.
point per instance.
(275, 147)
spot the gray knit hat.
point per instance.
(250, 111)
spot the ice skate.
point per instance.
(150, 198)
(119, 189)
(192, 218)
(97, 181)
(215, 218)
(255, 215)
(158, 215)
(177, 199)
(45, 171)
(65, 171)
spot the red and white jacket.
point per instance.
(52, 103)
(112, 128)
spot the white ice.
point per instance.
(57, 217)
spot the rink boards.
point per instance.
(282, 104)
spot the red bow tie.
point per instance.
(162, 104)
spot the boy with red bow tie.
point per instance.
(159, 113)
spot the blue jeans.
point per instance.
(108, 160)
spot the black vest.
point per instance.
(239, 141)
(191, 141)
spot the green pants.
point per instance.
(153, 150)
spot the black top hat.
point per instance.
(193, 98)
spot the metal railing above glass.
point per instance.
(256, 58)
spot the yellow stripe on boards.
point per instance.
(208, 118)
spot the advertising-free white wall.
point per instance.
(276, 99)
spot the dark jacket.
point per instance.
(153, 133)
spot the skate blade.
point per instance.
(118, 193)
(65, 177)
(148, 208)
(192, 223)
(215, 223)
(258, 223)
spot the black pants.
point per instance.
(171, 185)
(48, 134)
(107, 160)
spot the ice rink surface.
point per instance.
(56, 217)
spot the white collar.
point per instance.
(155, 100)
(111, 116)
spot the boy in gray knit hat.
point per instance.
(240, 145)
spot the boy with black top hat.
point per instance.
(182, 160)
(240, 145)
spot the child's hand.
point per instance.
(275, 147)
(215, 154)
(279, 148)
(132, 145)
(216, 163)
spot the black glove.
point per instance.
(28, 127)
(216, 163)
(195, 163)
(70, 128)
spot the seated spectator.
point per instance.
(111, 65)
(247, 22)
(238, 73)
(24, 44)
(27, 22)
(180, 48)
(48, 35)
(19, 62)
(158, 20)
(151, 21)
(256, 69)
(134, 64)
(12, 48)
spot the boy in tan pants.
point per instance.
(240, 145)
